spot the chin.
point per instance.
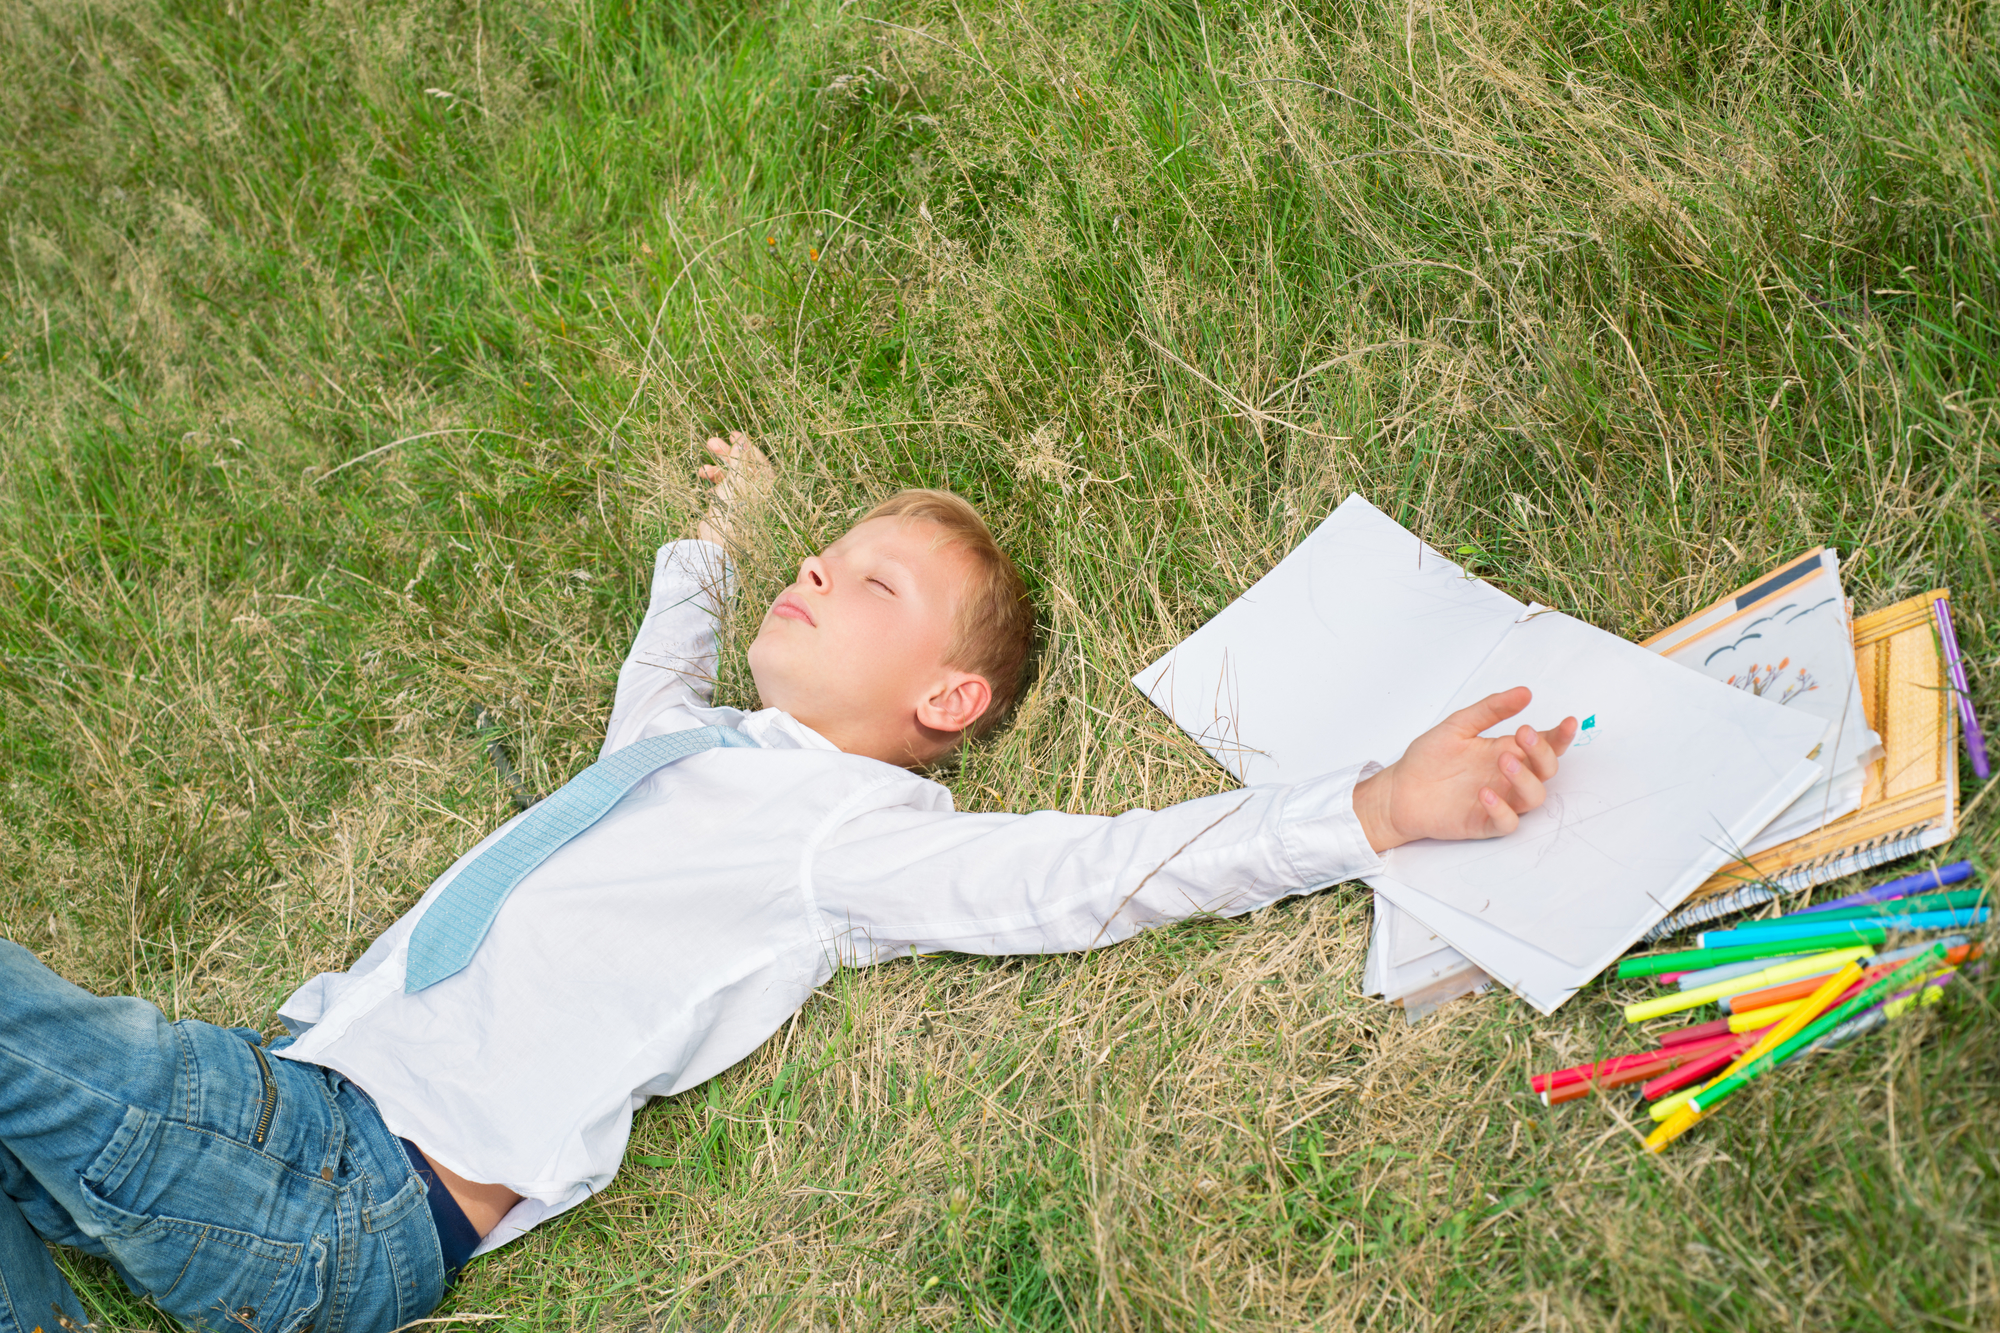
(776, 673)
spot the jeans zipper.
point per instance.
(270, 1097)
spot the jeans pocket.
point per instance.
(213, 1278)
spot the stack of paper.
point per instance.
(1410, 964)
(1363, 638)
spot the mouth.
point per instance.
(792, 607)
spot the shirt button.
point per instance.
(326, 1173)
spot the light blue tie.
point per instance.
(457, 919)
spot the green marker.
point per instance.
(1837, 936)
(1707, 1099)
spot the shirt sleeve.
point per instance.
(898, 880)
(672, 661)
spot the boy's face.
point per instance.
(855, 647)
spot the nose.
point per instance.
(814, 576)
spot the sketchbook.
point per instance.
(1786, 638)
(1909, 797)
(1363, 637)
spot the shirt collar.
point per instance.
(771, 728)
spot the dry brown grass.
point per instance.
(1627, 303)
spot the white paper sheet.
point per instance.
(1363, 637)
(1409, 940)
(1670, 773)
(1337, 656)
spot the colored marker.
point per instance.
(1841, 935)
(1756, 1057)
(1879, 1015)
(1584, 1073)
(1975, 739)
(1784, 931)
(1655, 1064)
(1617, 1064)
(1923, 902)
(1713, 1095)
(1689, 999)
(1877, 966)
(1694, 1071)
(1698, 1032)
(1726, 972)
(1955, 873)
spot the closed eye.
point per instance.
(883, 586)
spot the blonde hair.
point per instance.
(996, 621)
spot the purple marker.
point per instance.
(1975, 739)
(1921, 882)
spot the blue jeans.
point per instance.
(241, 1192)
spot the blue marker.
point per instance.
(1760, 932)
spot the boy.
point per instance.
(477, 1069)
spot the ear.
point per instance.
(956, 703)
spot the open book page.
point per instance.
(1787, 638)
(1671, 776)
(1336, 657)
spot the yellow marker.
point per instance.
(1770, 976)
(1675, 1125)
(1761, 1018)
(1803, 1012)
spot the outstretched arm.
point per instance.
(672, 661)
(904, 879)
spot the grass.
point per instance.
(351, 365)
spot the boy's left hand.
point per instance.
(1454, 783)
(742, 479)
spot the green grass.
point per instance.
(351, 365)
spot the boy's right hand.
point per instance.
(1455, 783)
(742, 482)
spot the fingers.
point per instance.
(1541, 757)
(738, 450)
(1560, 736)
(1499, 816)
(1490, 711)
(1528, 789)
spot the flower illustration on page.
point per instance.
(1774, 682)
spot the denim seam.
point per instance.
(215, 1231)
(109, 1173)
(290, 1169)
(190, 1074)
(348, 1256)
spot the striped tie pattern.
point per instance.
(457, 920)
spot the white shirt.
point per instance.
(669, 940)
